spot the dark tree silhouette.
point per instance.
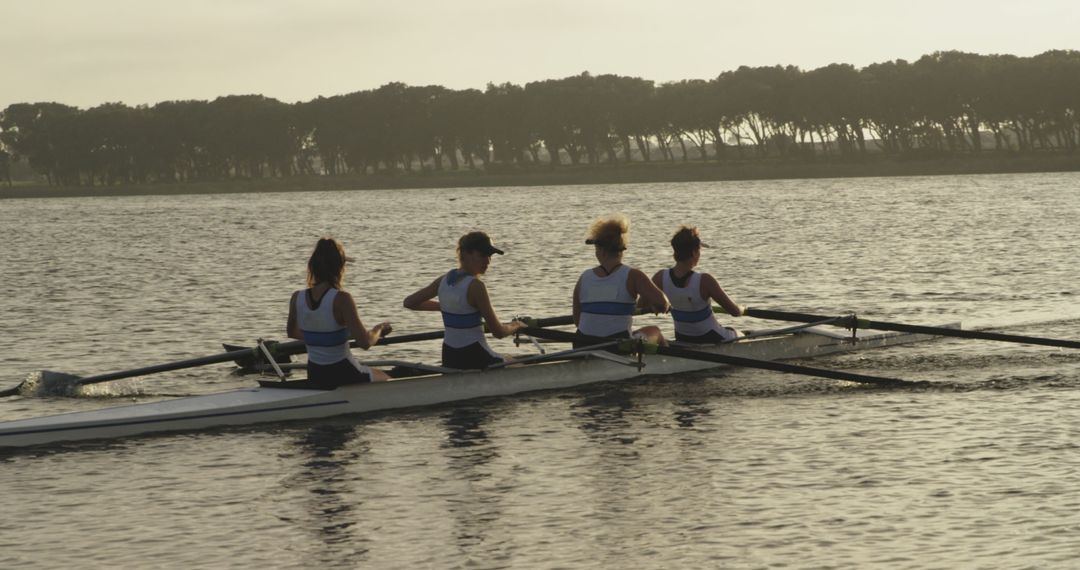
(943, 103)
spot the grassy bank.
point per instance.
(759, 169)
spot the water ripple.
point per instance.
(734, 468)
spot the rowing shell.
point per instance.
(273, 404)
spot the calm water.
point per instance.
(732, 469)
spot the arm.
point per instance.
(658, 279)
(345, 313)
(577, 303)
(424, 299)
(650, 297)
(710, 289)
(292, 328)
(478, 297)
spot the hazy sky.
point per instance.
(88, 52)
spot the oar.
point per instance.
(178, 365)
(726, 359)
(777, 366)
(283, 348)
(853, 322)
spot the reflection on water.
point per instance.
(465, 428)
(603, 415)
(689, 412)
(470, 451)
(328, 453)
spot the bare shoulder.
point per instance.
(477, 286)
(709, 279)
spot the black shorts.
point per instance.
(470, 357)
(339, 373)
(584, 343)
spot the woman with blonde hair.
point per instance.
(324, 316)
(607, 296)
(465, 306)
(691, 294)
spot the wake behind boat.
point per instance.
(285, 401)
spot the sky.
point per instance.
(88, 52)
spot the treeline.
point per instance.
(946, 102)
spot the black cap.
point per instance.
(686, 240)
(478, 241)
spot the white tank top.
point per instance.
(692, 313)
(463, 322)
(327, 340)
(607, 308)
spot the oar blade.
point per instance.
(13, 391)
(45, 382)
(51, 382)
(51, 376)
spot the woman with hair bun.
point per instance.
(465, 306)
(606, 296)
(692, 293)
(324, 316)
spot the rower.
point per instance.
(692, 293)
(607, 296)
(324, 316)
(465, 305)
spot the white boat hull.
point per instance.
(265, 404)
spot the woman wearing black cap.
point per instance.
(465, 306)
(691, 293)
(325, 318)
(606, 296)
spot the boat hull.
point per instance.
(271, 404)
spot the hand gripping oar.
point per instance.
(854, 322)
(649, 348)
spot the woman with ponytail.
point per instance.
(692, 293)
(325, 317)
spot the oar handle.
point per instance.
(852, 321)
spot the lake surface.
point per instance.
(728, 469)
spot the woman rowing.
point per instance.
(692, 293)
(607, 296)
(465, 305)
(325, 318)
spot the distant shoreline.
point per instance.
(692, 171)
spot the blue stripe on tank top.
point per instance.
(461, 321)
(332, 338)
(691, 316)
(608, 308)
